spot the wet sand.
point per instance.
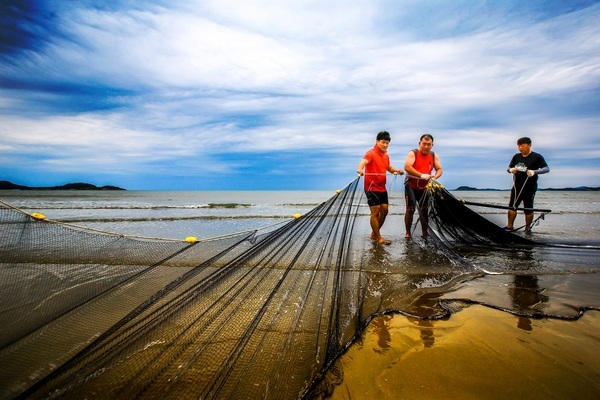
(477, 353)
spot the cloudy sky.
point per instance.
(265, 94)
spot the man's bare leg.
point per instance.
(528, 221)
(383, 212)
(378, 215)
(512, 214)
(423, 215)
(408, 219)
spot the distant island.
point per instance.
(579, 188)
(465, 188)
(6, 185)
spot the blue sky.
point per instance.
(263, 94)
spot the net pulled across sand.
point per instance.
(256, 314)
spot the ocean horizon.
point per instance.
(8, 185)
(418, 292)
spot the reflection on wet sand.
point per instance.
(427, 336)
(380, 328)
(524, 292)
(538, 328)
(478, 354)
(464, 332)
(526, 296)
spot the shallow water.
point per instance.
(539, 283)
(523, 324)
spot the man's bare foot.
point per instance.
(373, 236)
(407, 235)
(383, 241)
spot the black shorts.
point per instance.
(416, 195)
(526, 196)
(376, 198)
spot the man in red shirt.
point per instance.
(419, 166)
(376, 163)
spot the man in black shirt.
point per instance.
(525, 166)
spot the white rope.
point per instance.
(520, 191)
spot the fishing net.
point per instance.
(255, 314)
(454, 222)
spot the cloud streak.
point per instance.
(263, 95)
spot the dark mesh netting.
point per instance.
(89, 314)
(259, 314)
(456, 223)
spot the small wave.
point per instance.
(311, 205)
(179, 218)
(227, 205)
(141, 207)
(553, 212)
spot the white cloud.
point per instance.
(201, 80)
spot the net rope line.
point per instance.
(420, 207)
(535, 222)
(248, 316)
(504, 207)
(516, 201)
(514, 188)
(334, 328)
(392, 187)
(339, 227)
(514, 208)
(86, 228)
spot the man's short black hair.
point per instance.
(384, 135)
(426, 136)
(524, 140)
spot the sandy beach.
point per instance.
(453, 320)
(477, 353)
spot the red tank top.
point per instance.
(376, 169)
(424, 164)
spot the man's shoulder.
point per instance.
(540, 158)
(535, 156)
(416, 151)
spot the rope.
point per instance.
(534, 223)
(504, 207)
(395, 175)
(418, 208)
(520, 191)
(86, 228)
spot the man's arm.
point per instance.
(438, 167)
(361, 166)
(408, 165)
(395, 170)
(544, 169)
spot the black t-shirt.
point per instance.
(533, 161)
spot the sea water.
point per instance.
(168, 214)
(176, 214)
(574, 219)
